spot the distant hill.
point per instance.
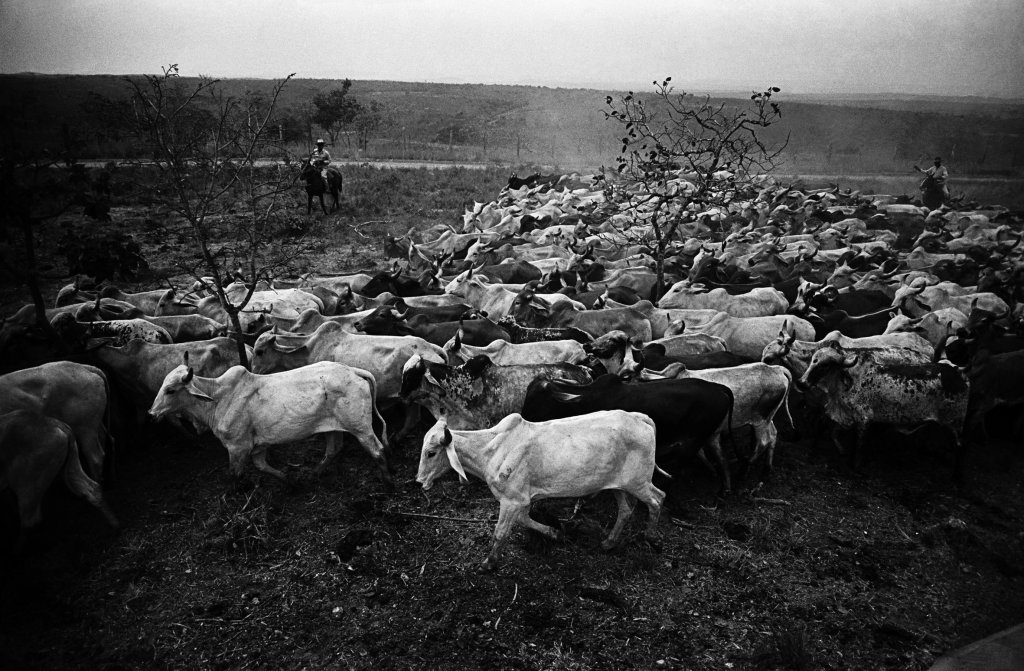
(563, 127)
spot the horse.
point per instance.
(315, 186)
(932, 194)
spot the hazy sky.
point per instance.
(964, 47)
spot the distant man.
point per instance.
(321, 158)
(939, 173)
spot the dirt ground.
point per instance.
(824, 568)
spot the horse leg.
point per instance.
(322, 206)
(309, 203)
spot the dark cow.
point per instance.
(34, 450)
(400, 284)
(824, 299)
(995, 382)
(520, 334)
(433, 314)
(386, 320)
(478, 394)
(851, 326)
(690, 413)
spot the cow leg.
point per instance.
(544, 529)
(765, 436)
(715, 445)
(259, 458)
(654, 499)
(80, 484)
(331, 449)
(30, 503)
(508, 512)
(958, 458)
(858, 448)
(835, 439)
(412, 418)
(377, 451)
(626, 502)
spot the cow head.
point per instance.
(385, 320)
(908, 298)
(830, 357)
(438, 455)
(417, 373)
(615, 352)
(177, 392)
(777, 350)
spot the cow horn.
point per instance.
(458, 339)
(469, 273)
(189, 375)
(447, 438)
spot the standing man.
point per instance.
(939, 173)
(321, 158)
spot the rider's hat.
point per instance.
(320, 141)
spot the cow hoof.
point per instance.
(609, 545)
(654, 544)
(489, 566)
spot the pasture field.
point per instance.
(821, 568)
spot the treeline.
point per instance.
(564, 128)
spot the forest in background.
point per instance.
(557, 128)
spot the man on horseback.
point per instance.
(938, 174)
(320, 159)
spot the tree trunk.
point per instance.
(236, 326)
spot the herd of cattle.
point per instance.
(536, 338)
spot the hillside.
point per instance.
(565, 127)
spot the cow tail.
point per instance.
(785, 403)
(80, 484)
(732, 437)
(109, 468)
(379, 426)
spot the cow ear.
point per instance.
(453, 459)
(194, 390)
(429, 377)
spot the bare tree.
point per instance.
(682, 156)
(205, 145)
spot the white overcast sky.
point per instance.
(965, 47)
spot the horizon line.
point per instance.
(693, 88)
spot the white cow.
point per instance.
(748, 336)
(381, 356)
(523, 461)
(249, 412)
(759, 302)
(933, 326)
